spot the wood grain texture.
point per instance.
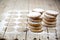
(47, 34)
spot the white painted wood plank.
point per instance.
(1, 32)
(52, 30)
(52, 36)
(10, 35)
(52, 33)
(21, 35)
(58, 19)
(37, 36)
(46, 4)
(2, 7)
(31, 36)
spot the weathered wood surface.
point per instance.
(11, 32)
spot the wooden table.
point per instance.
(25, 6)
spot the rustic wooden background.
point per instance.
(23, 7)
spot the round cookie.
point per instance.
(22, 24)
(46, 25)
(34, 15)
(10, 24)
(47, 22)
(13, 16)
(38, 10)
(22, 29)
(52, 13)
(36, 30)
(49, 16)
(10, 29)
(35, 24)
(36, 20)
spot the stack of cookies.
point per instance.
(49, 18)
(34, 21)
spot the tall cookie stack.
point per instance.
(49, 19)
(34, 21)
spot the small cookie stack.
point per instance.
(34, 21)
(49, 19)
